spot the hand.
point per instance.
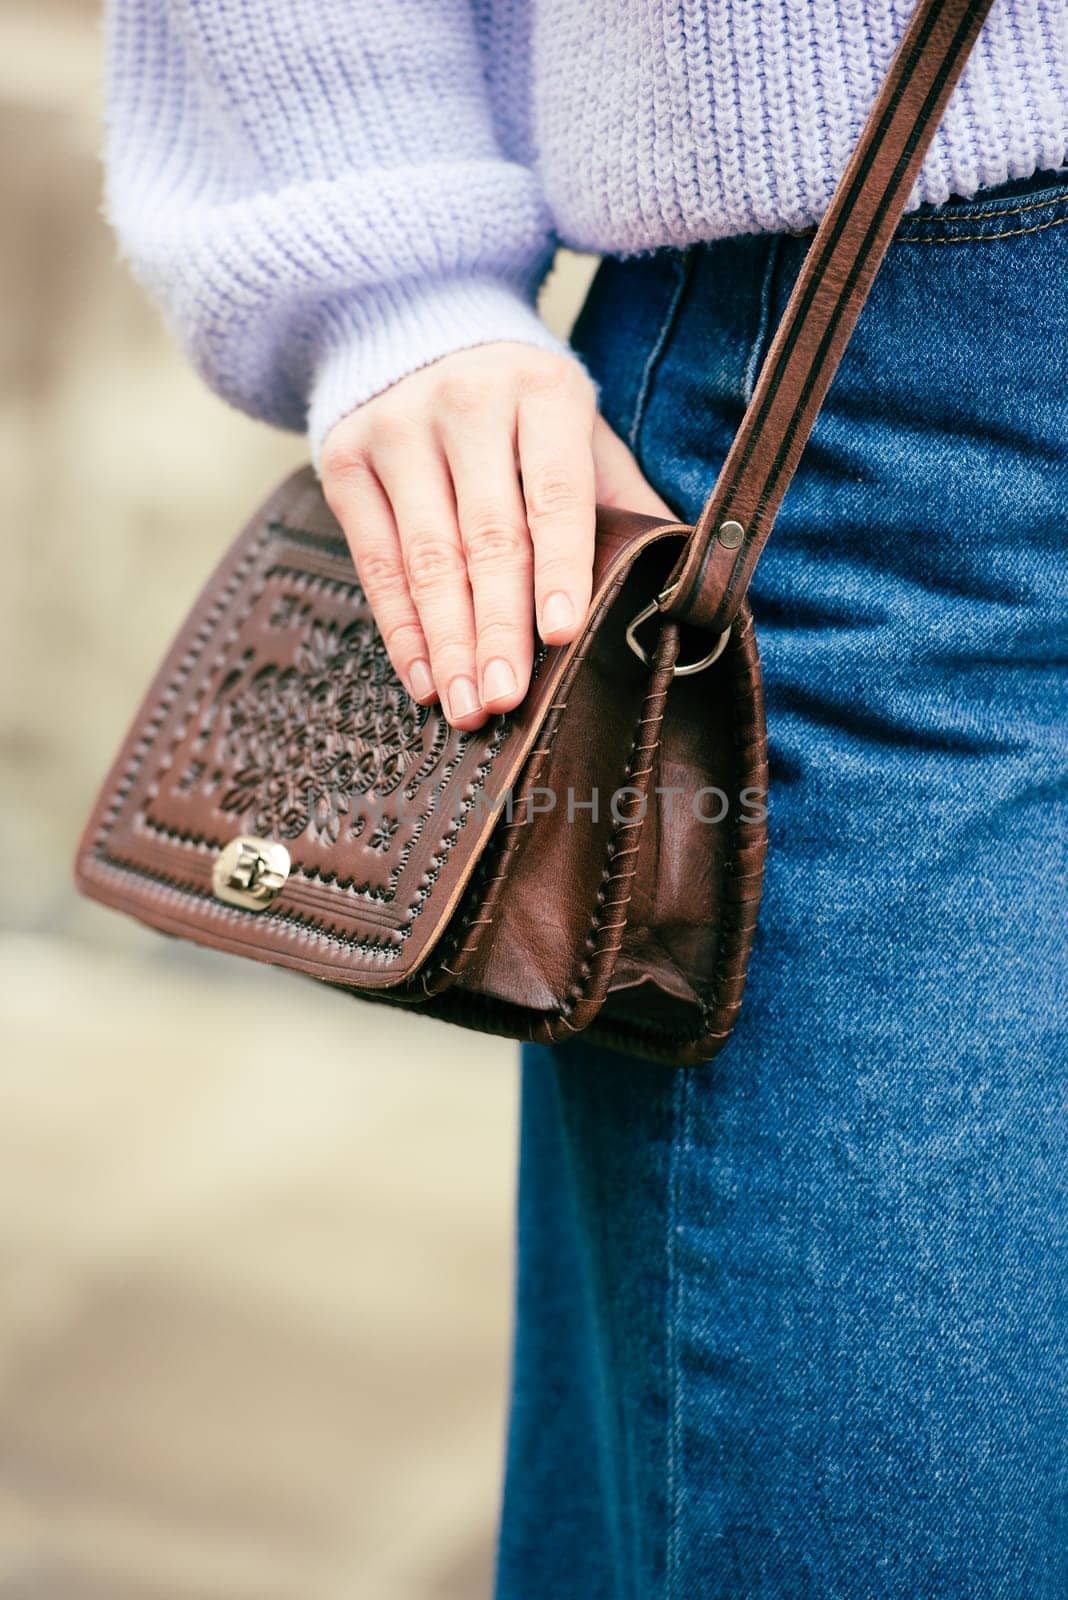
(466, 492)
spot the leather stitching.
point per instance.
(483, 914)
(638, 768)
(711, 1028)
(483, 911)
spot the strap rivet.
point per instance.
(731, 535)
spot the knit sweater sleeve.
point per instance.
(317, 195)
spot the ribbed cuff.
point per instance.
(368, 344)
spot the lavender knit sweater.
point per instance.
(326, 194)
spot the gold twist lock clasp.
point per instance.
(249, 872)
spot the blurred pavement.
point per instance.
(255, 1237)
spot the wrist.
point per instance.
(366, 345)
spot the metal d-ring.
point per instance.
(690, 667)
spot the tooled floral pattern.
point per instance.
(302, 743)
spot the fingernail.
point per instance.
(463, 698)
(498, 680)
(420, 679)
(557, 613)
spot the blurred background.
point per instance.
(254, 1297)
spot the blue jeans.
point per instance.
(793, 1324)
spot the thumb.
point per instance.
(620, 480)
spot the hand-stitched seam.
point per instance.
(502, 847)
(980, 238)
(636, 779)
(580, 985)
(551, 724)
(482, 913)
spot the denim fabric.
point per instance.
(793, 1324)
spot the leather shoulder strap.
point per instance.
(709, 583)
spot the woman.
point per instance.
(793, 1325)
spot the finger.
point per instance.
(497, 548)
(416, 478)
(360, 504)
(556, 459)
(620, 480)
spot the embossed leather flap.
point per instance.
(277, 718)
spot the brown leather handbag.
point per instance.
(590, 863)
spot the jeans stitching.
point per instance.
(674, 1386)
(1050, 197)
(956, 213)
(979, 238)
(659, 344)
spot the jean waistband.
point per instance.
(1018, 206)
